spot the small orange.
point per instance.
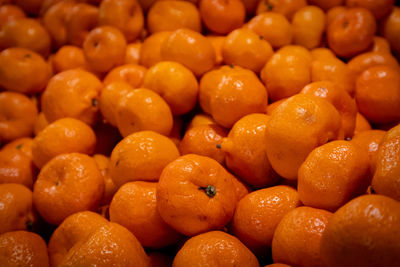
(134, 206)
(17, 211)
(143, 109)
(191, 49)
(217, 42)
(67, 184)
(221, 16)
(132, 55)
(272, 106)
(360, 63)
(200, 119)
(287, 72)
(332, 174)
(175, 84)
(23, 145)
(362, 124)
(68, 57)
(103, 163)
(62, 136)
(40, 123)
(170, 15)
(203, 140)
(22, 70)
(298, 235)
(390, 27)
(150, 51)
(9, 13)
(285, 7)
(141, 156)
(273, 27)
(258, 214)
(379, 8)
(245, 151)
(125, 15)
(195, 194)
(17, 116)
(132, 74)
(214, 248)
(78, 99)
(368, 227)
(326, 4)
(244, 48)
(22, 248)
(381, 45)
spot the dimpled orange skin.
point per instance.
(296, 127)
(245, 151)
(104, 48)
(72, 93)
(258, 214)
(362, 62)
(62, 136)
(298, 235)
(378, 94)
(130, 73)
(287, 72)
(22, 248)
(26, 33)
(390, 29)
(202, 140)
(23, 145)
(332, 174)
(308, 26)
(23, 71)
(379, 8)
(132, 55)
(351, 32)
(143, 109)
(10, 12)
(17, 116)
(68, 57)
(246, 49)
(141, 156)
(175, 84)
(191, 49)
(195, 194)
(150, 51)
(17, 212)
(103, 163)
(134, 207)
(386, 178)
(214, 248)
(68, 183)
(125, 15)
(342, 101)
(170, 15)
(368, 227)
(273, 27)
(222, 17)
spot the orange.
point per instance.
(287, 72)
(103, 164)
(334, 12)
(40, 123)
(368, 227)
(308, 26)
(176, 131)
(134, 206)
(362, 62)
(285, 7)
(17, 116)
(203, 140)
(68, 57)
(23, 145)
(141, 156)
(23, 70)
(229, 93)
(386, 177)
(351, 32)
(26, 33)
(150, 51)
(245, 151)
(17, 211)
(189, 48)
(132, 54)
(67, 184)
(244, 48)
(217, 42)
(9, 13)
(379, 8)
(214, 248)
(170, 15)
(258, 214)
(272, 106)
(362, 124)
(22, 248)
(79, 99)
(81, 19)
(62, 136)
(332, 174)
(221, 16)
(132, 74)
(381, 45)
(195, 194)
(326, 4)
(143, 109)
(175, 84)
(104, 48)
(273, 27)
(200, 119)
(31, 7)
(296, 127)
(146, 4)
(390, 27)
(298, 235)
(342, 101)
(125, 15)
(378, 94)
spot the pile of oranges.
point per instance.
(200, 133)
